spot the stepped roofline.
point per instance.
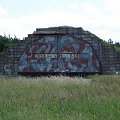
(57, 30)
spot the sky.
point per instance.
(21, 17)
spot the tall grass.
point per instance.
(60, 98)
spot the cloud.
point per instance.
(74, 6)
(113, 6)
(104, 22)
(3, 11)
(24, 25)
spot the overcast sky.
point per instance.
(22, 17)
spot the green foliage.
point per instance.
(6, 42)
(117, 48)
(110, 41)
(60, 98)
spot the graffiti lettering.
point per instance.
(56, 55)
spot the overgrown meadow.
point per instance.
(60, 98)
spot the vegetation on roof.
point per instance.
(117, 48)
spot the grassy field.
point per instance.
(60, 98)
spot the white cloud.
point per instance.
(25, 25)
(104, 22)
(74, 5)
(113, 6)
(3, 11)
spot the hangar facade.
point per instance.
(60, 49)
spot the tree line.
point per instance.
(6, 42)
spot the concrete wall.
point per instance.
(109, 58)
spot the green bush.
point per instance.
(6, 42)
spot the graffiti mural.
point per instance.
(58, 53)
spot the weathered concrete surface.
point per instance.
(108, 57)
